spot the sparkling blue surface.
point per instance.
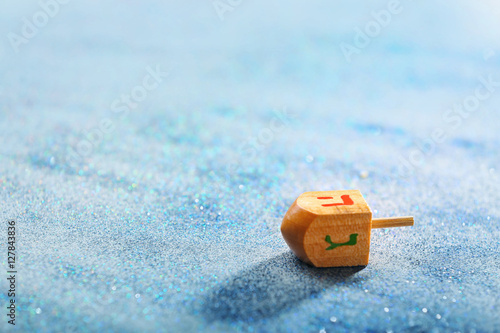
(166, 218)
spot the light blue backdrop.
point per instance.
(150, 150)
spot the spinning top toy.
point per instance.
(332, 228)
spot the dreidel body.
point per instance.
(333, 228)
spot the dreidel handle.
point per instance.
(392, 222)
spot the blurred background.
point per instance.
(150, 150)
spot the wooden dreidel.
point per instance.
(332, 228)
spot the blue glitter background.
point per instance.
(162, 214)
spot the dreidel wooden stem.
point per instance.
(392, 222)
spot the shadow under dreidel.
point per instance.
(270, 287)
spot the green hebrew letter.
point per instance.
(353, 239)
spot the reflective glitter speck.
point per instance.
(438, 316)
(364, 174)
(113, 288)
(386, 309)
(309, 159)
(333, 319)
(38, 310)
(424, 310)
(322, 330)
(137, 295)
